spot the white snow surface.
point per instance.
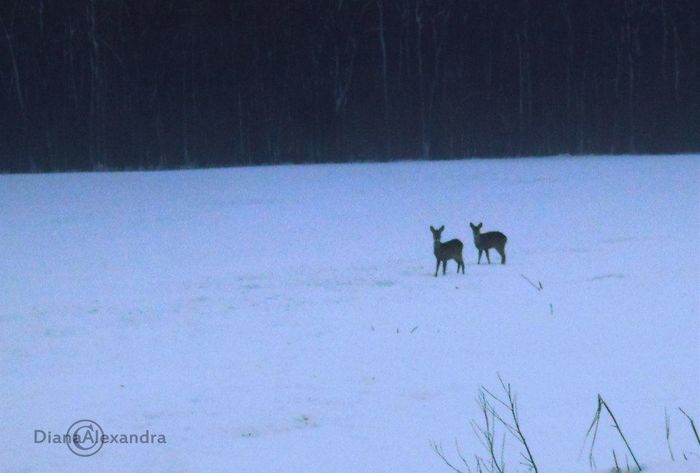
(286, 318)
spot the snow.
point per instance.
(286, 319)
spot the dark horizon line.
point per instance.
(174, 168)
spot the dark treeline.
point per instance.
(90, 84)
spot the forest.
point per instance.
(158, 84)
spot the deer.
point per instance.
(488, 240)
(446, 251)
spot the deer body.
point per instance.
(446, 251)
(488, 240)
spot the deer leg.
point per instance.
(487, 256)
(503, 255)
(460, 264)
(479, 261)
(437, 266)
(444, 266)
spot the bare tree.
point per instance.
(497, 412)
(385, 86)
(16, 79)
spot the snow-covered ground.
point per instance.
(286, 319)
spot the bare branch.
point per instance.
(439, 451)
(668, 434)
(594, 426)
(692, 425)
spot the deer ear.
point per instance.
(471, 224)
(442, 228)
(480, 225)
(431, 228)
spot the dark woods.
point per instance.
(90, 84)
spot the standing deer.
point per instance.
(488, 240)
(446, 251)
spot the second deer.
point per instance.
(488, 240)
